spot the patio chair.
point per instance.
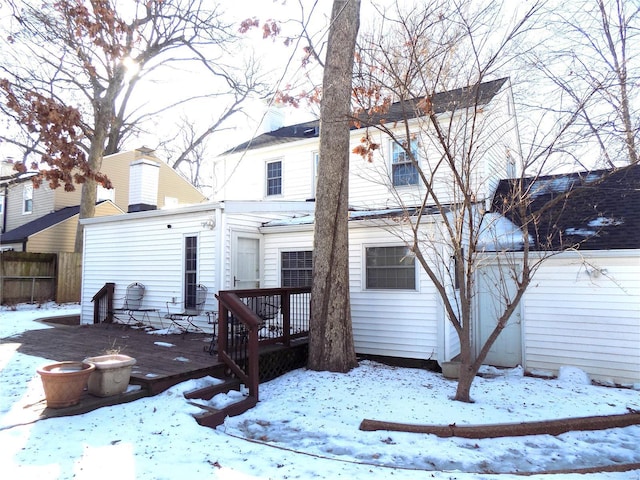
(132, 302)
(266, 307)
(183, 320)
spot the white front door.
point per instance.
(246, 262)
(493, 290)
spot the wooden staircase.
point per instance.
(212, 417)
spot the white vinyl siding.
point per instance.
(395, 323)
(243, 176)
(571, 318)
(146, 250)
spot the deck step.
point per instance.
(207, 393)
(212, 417)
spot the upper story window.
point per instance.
(391, 268)
(27, 199)
(1, 204)
(171, 202)
(403, 170)
(105, 194)
(274, 178)
(296, 268)
(314, 180)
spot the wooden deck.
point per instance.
(161, 360)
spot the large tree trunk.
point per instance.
(331, 336)
(89, 194)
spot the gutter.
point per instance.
(4, 206)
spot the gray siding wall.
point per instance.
(43, 204)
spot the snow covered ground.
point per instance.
(306, 427)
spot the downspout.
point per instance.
(220, 248)
(4, 208)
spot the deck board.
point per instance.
(158, 357)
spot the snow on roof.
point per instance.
(498, 233)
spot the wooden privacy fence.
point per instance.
(68, 277)
(40, 277)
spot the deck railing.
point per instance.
(248, 319)
(103, 304)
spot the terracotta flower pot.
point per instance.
(64, 382)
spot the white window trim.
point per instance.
(103, 194)
(363, 285)
(266, 178)
(288, 250)
(315, 158)
(27, 196)
(392, 146)
(183, 270)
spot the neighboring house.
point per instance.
(258, 232)
(44, 220)
(52, 233)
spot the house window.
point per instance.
(296, 268)
(390, 268)
(314, 180)
(274, 178)
(103, 194)
(1, 204)
(27, 199)
(403, 170)
(170, 202)
(190, 271)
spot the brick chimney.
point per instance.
(143, 185)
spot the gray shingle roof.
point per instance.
(442, 102)
(602, 211)
(23, 232)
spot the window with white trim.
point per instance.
(103, 194)
(274, 178)
(27, 199)
(190, 271)
(403, 170)
(392, 268)
(314, 186)
(296, 268)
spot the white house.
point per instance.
(258, 232)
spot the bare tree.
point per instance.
(590, 58)
(98, 57)
(443, 142)
(331, 344)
